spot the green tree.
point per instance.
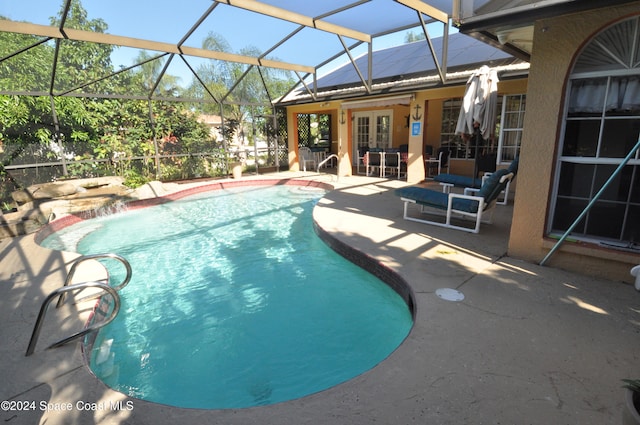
(44, 128)
(411, 36)
(78, 61)
(241, 90)
(148, 74)
(27, 62)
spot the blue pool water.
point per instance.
(235, 301)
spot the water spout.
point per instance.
(114, 207)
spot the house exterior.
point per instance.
(572, 62)
(214, 122)
(408, 104)
(559, 175)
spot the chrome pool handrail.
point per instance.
(58, 292)
(324, 161)
(79, 260)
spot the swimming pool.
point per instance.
(235, 301)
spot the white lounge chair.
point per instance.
(478, 207)
(453, 180)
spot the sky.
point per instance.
(169, 21)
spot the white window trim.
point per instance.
(503, 130)
(561, 159)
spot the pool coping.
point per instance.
(373, 266)
(358, 257)
(528, 343)
(133, 204)
(377, 268)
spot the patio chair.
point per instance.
(362, 151)
(404, 159)
(373, 160)
(392, 162)
(306, 157)
(478, 207)
(438, 163)
(453, 180)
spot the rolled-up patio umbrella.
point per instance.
(479, 105)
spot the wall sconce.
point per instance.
(343, 120)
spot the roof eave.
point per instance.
(492, 40)
(509, 71)
(527, 15)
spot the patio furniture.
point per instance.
(438, 163)
(374, 158)
(453, 180)
(392, 163)
(478, 207)
(306, 157)
(404, 159)
(362, 152)
(320, 154)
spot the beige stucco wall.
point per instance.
(341, 130)
(330, 108)
(556, 44)
(433, 99)
(430, 102)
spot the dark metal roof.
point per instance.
(409, 67)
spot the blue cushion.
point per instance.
(457, 180)
(436, 199)
(492, 186)
(513, 167)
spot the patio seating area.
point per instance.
(471, 204)
(527, 344)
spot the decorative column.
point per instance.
(292, 140)
(417, 123)
(344, 148)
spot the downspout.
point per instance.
(592, 202)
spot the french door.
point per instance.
(372, 129)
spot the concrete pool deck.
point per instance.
(527, 345)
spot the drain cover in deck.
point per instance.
(449, 294)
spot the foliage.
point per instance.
(149, 74)
(411, 36)
(37, 60)
(134, 180)
(137, 139)
(244, 92)
(80, 61)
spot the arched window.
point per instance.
(601, 125)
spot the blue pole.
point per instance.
(593, 201)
